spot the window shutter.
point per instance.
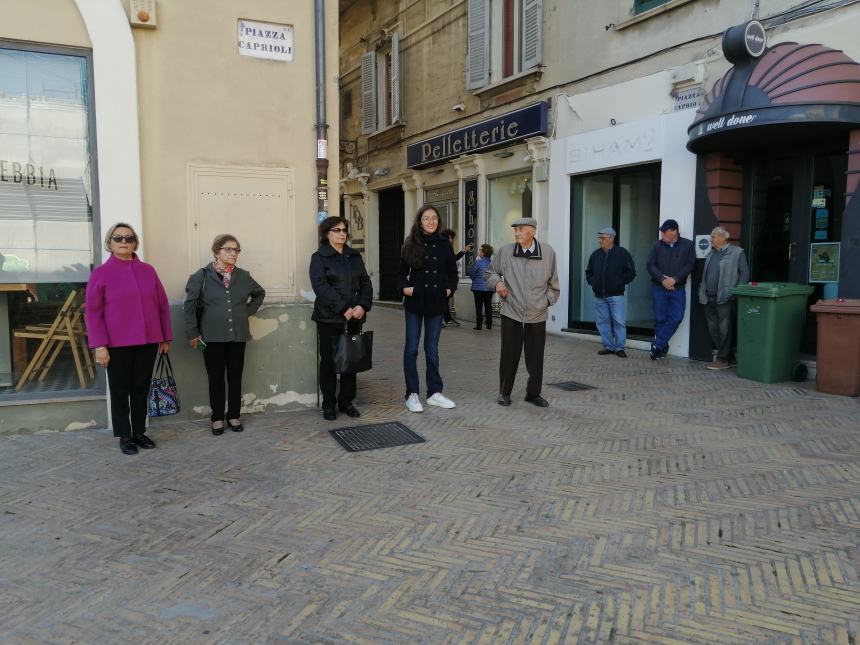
(531, 36)
(368, 93)
(478, 59)
(396, 84)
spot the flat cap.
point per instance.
(607, 231)
(525, 221)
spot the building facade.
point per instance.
(186, 120)
(647, 118)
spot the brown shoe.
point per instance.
(719, 365)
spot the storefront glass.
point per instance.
(628, 200)
(510, 198)
(46, 222)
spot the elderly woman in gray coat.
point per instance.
(219, 299)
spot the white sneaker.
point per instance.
(441, 401)
(413, 404)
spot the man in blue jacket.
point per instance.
(610, 269)
(670, 262)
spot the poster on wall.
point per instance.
(824, 262)
(470, 197)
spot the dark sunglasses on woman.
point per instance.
(126, 238)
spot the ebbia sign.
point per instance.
(493, 133)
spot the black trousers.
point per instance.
(219, 357)
(484, 300)
(721, 320)
(328, 335)
(129, 374)
(516, 337)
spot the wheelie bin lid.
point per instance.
(838, 306)
(771, 289)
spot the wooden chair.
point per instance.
(67, 327)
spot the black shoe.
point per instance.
(621, 353)
(605, 352)
(504, 399)
(489, 326)
(453, 322)
(537, 400)
(350, 410)
(478, 328)
(329, 414)
(217, 431)
(142, 441)
(127, 446)
(237, 428)
(655, 353)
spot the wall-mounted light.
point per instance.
(436, 170)
(503, 154)
(382, 172)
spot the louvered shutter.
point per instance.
(368, 93)
(531, 38)
(478, 59)
(396, 85)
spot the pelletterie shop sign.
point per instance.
(266, 40)
(493, 133)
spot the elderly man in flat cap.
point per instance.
(524, 275)
(610, 269)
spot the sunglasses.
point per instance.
(230, 249)
(337, 230)
(123, 238)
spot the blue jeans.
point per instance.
(611, 321)
(432, 331)
(669, 307)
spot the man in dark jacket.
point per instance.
(670, 262)
(610, 269)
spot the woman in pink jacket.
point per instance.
(128, 322)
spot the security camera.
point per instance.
(460, 107)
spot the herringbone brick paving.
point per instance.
(670, 505)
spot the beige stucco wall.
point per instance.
(43, 21)
(201, 102)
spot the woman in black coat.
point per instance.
(343, 296)
(427, 278)
(219, 299)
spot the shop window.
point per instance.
(381, 87)
(640, 6)
(629, 201)
(504, 39)
(445, 200)
(46, 221)
(510, 198)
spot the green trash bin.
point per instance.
(771, 316)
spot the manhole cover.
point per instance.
(378, 435)
(572, 386)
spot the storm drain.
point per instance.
(572, 386)
(378, 435)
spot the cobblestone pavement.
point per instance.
(670, 504)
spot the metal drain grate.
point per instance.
(378, 435)
(573, 386)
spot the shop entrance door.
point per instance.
(391, 213)
(628, 200)
(793, 215)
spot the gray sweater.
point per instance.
(532, 282)
(733, 270)
(225, 311)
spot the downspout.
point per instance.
(321, 125)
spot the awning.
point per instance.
(792, 90)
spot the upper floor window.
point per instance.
(640, 6)
(381, 87)
(504, 39)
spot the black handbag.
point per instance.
(353, 352)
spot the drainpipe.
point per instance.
(321, 125)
